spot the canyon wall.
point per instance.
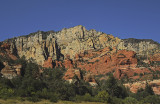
(41, 45)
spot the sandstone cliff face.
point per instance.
(144, 47)
(8, 70)
(5, 51)
(41, 45)
(48, 63)
(59, 44)
(35, 47)
(76, 39)
(103, 61)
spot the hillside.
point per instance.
(87, 54)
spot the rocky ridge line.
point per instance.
(41, 45)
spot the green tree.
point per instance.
(86, 97)
(148, 89)
(31, 70)
(115, 100)
(130, 100)
(114, 88)
(103, 96)
(17, 82)
(152, 99)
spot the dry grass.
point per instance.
(69, 102)
(13, 101)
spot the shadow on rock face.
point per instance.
(1, 66)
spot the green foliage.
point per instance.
(5, 83)
(31, 70)
(155, 63)
(33, 99)
(54, 82)
(44, 94)
(82, 88)
(143, 93)
(130, 100)
(140, 61)
(17, 81)
(113, 87)
(23, 62)
(97, 60)
(152, 99)
(6, 92)
(50, 85)
(86, 97)
(103, 96)
(31, 86)
(135, 74)
(54, 98)
(6, 88)
(148, 89)
(115, 100)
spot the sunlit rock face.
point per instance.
(78, 48)
(140, 46)
(57, 45)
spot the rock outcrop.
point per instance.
(144, 47)
(101, 63)
(11, 71)
(73, 75)
(48, 63)
(5, 51)
(41, 45)
(134, 87)
(155, 57)
(78, 48)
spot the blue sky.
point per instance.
(122, 18)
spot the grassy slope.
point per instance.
(13, 101)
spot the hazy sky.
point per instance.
(122, 18)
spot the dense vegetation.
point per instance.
(34, 86)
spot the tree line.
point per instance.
(34, 86)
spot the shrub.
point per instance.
(152, 99)
(135, 74)
(114, 88)
(54, 98)
(33, 99)
(78, 98)
(141, 74)
(86, 97)
(44, 94)
(148, 89)
(130, 100)
(103, 96)
(115, 100)
(6, 92)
